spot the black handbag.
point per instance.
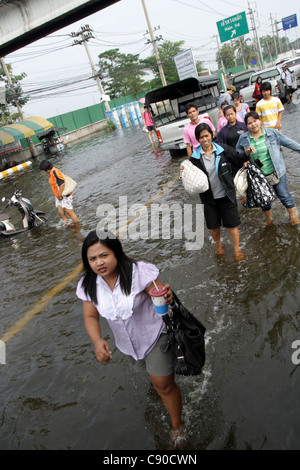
(259, 192)
(185, 338)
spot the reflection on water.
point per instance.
(54, 395)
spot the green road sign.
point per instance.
(233, 27)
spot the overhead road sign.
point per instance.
(289, 22)
(233, 27)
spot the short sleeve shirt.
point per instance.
(268, 110)
(137, 334)
(189, 132)
(148, 118)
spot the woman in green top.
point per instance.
(265, 145)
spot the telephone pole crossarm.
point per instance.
(86, 34)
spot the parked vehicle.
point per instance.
(241, 80)
(272, 75)
(281, 58)
(30, 218)
(169, 108)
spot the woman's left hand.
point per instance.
(169, 294)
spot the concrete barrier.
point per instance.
(14, 169)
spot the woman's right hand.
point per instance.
(249, 150)
(103, 352)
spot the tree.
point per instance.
(199, 66)
(227, 55)
(167, 51)
(245, 51)
(121, 74)
(13, 94)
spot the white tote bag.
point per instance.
(70, 185)
(241, 183)
(194, 180)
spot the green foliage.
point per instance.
(242, 51)
(13, 94)
(109, 126)
(227, 56)
(121, 74)
(167, 51)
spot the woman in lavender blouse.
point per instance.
(116, 288)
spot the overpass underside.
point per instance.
(25, 21)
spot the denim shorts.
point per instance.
(157, 363)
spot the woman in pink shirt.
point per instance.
(148, 123)
(116, 288)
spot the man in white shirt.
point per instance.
(288, 82)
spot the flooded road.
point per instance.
(53, 392)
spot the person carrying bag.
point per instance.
(185, 339)
(62, 187)
(259, 192)
(265, 146)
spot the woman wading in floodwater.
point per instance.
(219, 162)
(116, 288)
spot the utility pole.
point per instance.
(220, 55)
(242, 53)
(274, 37)
(86, 34)
(254, 28)
(278, 39)
(155, 50)
(20, 111)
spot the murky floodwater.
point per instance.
(53, 392)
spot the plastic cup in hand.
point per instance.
(158, 298)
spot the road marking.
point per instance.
(41, 304)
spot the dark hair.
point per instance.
(202, 127)
(230, 106)
(125, 263)
(45, 165)
(258, 79)
(235, 95)
(149, 109)
(252, 114)
(266, 86)
(189, 106)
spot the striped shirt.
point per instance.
(269, 110)
(262, 153)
